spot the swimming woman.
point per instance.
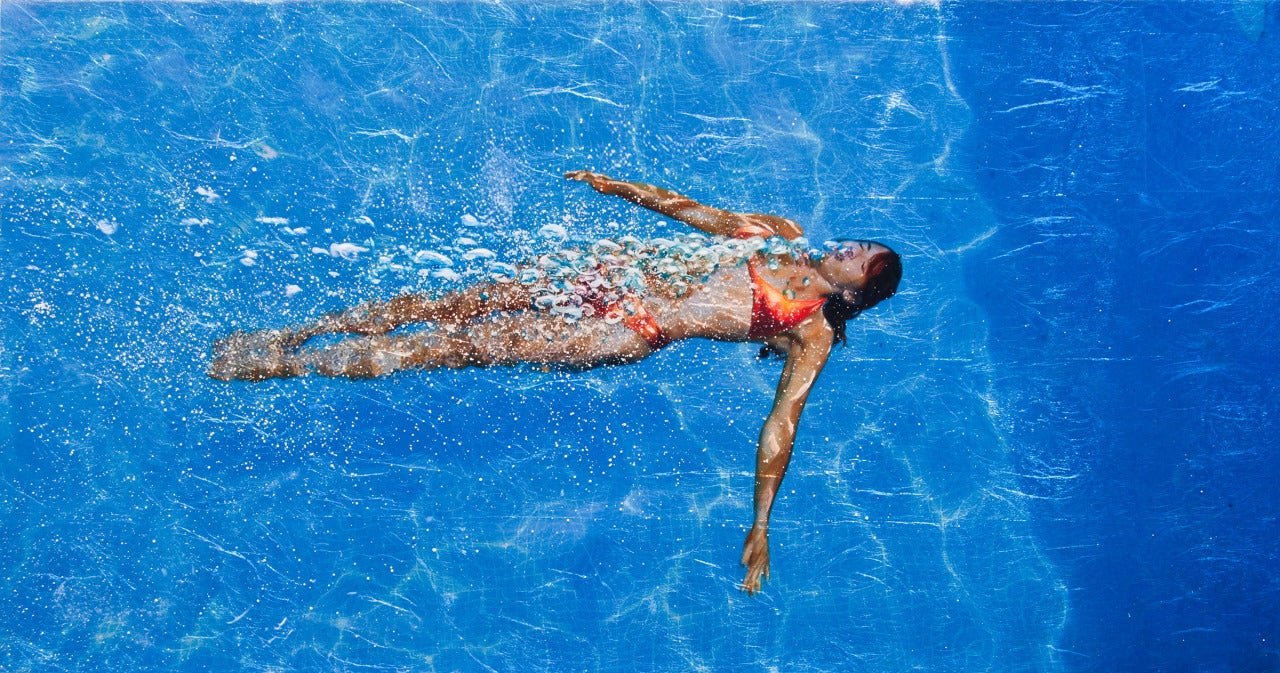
(616, 303)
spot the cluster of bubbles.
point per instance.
(577, 282)
(586, 279)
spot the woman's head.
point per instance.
(862, 274)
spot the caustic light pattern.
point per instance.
(1050, 451)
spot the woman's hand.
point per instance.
(755, 556)
(596, 180)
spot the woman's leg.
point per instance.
(382, 317)
(255, 356)
(503, 340)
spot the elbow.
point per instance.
(789, 230)
(774, 444)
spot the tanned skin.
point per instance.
(493, 324)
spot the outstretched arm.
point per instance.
(684, 209)
(805, 358)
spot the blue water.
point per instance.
(1054, 450)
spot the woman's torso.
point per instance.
(692, 285)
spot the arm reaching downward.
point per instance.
(809, 348)
(684, 209)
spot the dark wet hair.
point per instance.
(884, 272)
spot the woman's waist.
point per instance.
(719, 305)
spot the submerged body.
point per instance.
(614, 304)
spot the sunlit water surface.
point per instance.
(1053, 450)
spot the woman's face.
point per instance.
(846, 269)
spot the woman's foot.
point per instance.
(254, 356)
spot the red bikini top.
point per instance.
(772, 312)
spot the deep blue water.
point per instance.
(1053, 450)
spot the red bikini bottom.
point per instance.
(638, 319)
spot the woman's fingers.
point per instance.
(755, 556)
(751, 584)
(593, 179)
